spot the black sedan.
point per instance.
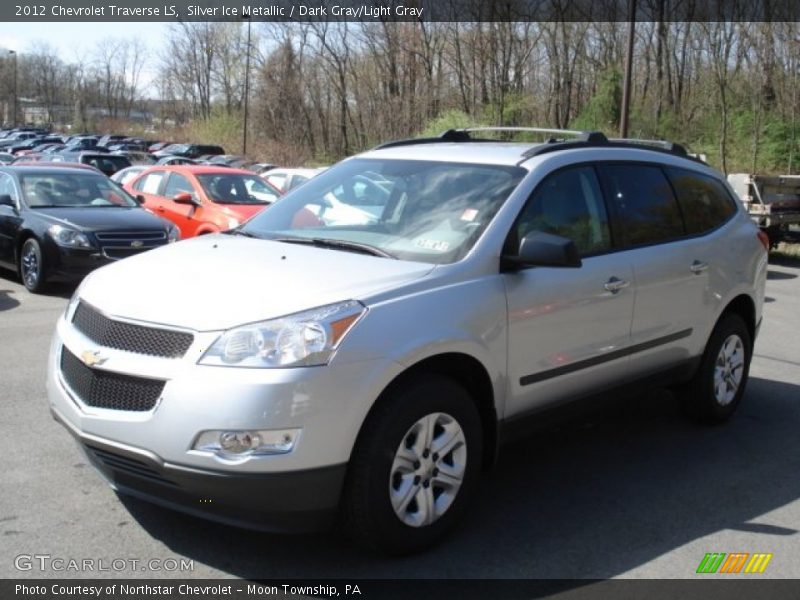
(59, 223)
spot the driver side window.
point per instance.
(568, 203)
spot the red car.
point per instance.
(202, 199)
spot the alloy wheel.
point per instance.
(428, 469)
(728, 370)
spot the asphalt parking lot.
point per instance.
(632, 491)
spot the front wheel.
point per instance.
(32, 266)
(716, 390)
(414, 467)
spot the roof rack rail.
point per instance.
(572, 132)
(463, 135)
(598, 140)
(663, 144)
(451, 135)
(581, 139)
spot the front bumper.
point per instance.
(298, 501)
(73, 264)
(151, 454)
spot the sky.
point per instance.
(72, 39)
(75, 40)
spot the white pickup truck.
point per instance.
(773, 201)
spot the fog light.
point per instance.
(233, 444)
(238, 442)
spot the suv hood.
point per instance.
(216, 282)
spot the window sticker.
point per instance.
(469, 214)
(438, 245)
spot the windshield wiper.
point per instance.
(238, 231)
(337, 245)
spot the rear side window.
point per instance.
(150, 183)
(568, 203)
(704, 201)
(644, 200)
(7, 186)
(177, 184)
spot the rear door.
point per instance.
(670, 271)
(568, 328)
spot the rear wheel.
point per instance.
(415, 466)
(716, 390)
(32, 266)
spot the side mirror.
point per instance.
(185, 198)
(5, 200)
(140, 199)
(538, 249)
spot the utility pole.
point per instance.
(246, 88)
(626, 91)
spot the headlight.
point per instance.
(71, 238)
(308, 338)
(173, 234)
(73, 303)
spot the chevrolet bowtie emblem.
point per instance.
(136, 244)
(92, 358)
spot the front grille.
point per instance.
(131, 466)
(129, 337)
(120, 253)
(104, 389)
(121, 244)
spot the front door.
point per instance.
(568, 328)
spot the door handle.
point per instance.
(160, 208)
(615, 284)
(698, 267)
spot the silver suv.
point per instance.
(359, 350)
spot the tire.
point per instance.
(398, 499)
(716, 390)
(32, 266)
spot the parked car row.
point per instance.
(54, 217)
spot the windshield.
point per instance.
(413, 210)
(72, 190)
(232, 188)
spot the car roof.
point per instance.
(202, 169)
(458, 145)
(50, 167)
(489, 153)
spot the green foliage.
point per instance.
(519, 110)
(781, 146)
(450, 119)
(220, 128)
(604, 108)
(777, 152)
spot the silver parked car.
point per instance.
(366, 365)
